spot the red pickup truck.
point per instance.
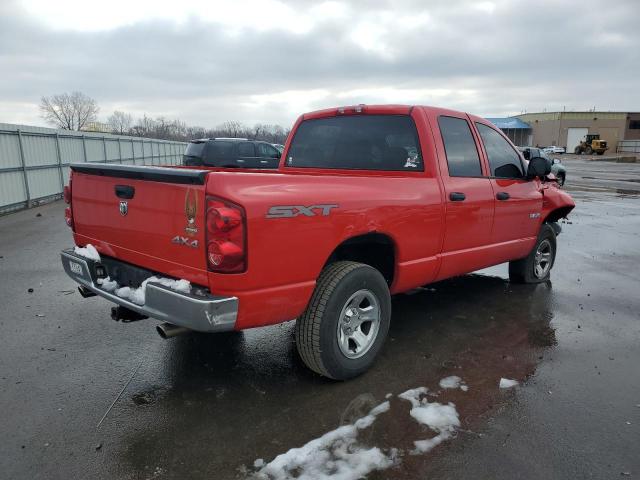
(367, 202)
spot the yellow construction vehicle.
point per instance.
(591, 144)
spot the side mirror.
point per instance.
(538, 167)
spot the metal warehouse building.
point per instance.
(518, 131)
(567, 129)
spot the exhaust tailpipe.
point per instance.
(169, 330)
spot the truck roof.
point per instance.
(392, 109)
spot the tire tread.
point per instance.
(307, 331)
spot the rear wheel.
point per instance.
(536, 267)
(346, 322)
(588, 151)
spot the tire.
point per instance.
(588, 151)
(561, 179)
(326, 341)
(577, 151)
(533, 268)
(600, 153)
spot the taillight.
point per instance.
(68, 216)
(226, 247)
(68, 212)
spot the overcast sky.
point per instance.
(267, 61)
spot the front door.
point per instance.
(518, 200)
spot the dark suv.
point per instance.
(231, 152)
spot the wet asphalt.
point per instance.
(207, 406)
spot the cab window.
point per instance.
(504, 162)
(462, 155)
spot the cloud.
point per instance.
(268, 61)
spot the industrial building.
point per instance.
(519, 132)
(567, 129)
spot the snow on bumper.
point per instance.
(209, 313)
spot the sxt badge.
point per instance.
(290, 211)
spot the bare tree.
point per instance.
(69, 111)
(233, 129)
(120, 122)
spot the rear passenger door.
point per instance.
(469, 200)
(247, 155)
(518, 200)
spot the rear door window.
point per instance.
(357, 142)
(460, 147)
(503, 159)
(218, 152)
(245, 149)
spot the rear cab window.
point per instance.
(504, 161)
(357, 142)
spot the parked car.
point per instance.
(554, 149)
(368, 201)
(557, 167)
(231, 152)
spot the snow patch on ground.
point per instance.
(442, 419)
(137, 295)
(89, 252)
(453, 382)
(335, 455)
(507, 383)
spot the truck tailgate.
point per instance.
(149, 216)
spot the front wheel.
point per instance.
(536, 267)
(346, 322)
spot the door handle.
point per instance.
(502, 196)
(457, 196)
(125, 192)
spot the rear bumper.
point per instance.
(203, 313)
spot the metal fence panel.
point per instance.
(12, 189)
(71, 150)
(44, 182)
(629, 146)
(10, 151)
(95, 150)
(113, 152)
(34, 160)
(39, 150)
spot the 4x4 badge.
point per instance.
(191, 210)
